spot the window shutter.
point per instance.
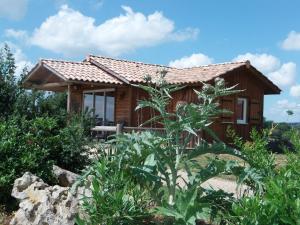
(227, 103)
(255, 112)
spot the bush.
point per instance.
(257, 155)
(280, 201)
(35, 145)
(24, 146)
(115, 198)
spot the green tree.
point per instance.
(8, 88)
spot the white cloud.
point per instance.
(13, 9)
(285, 75)
(295, 91)
(281, 74)
(197, 59)
(263, 62)
(292, 42)
(20, 35)
(21, 62)
(71, 33)
(284, 105)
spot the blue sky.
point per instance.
(171, 32)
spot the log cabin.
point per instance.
(106, 86)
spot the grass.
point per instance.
(203, 160)
(280, 159)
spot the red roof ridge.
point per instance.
(218, 64)
(65, 61)
(130, 61)
(164, 66)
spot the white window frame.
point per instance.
(245, 109)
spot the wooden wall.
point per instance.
(252, 90)
(127, 97)
(123, 105)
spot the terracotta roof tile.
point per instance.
(80, 71)
(136, 71)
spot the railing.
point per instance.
(118, 129)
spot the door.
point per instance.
(101, 105)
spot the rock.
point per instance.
(42, 204)
(65, 177)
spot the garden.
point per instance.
(149, 177)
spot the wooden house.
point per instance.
(105, 85)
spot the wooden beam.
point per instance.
(120, 128)
(69, 99)
(49, 85)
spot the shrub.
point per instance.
(35, 145)
(115, 198)
(24, 146)
(280, 201)
(258, 157)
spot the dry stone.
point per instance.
(65, 178)
(41, 204)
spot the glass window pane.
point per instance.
(110, 108)
(99, 108)
(240, 109)
(88, 101)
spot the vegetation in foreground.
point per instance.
(155, 164)
(140, 183)
(35, 132)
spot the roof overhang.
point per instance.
(43, 77)
(270, 87)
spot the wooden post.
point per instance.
(69, 99)
(119, 129)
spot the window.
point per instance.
(241, 111)
(102, 104)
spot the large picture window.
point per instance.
(101, 103)
(241, 111)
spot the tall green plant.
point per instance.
(115, 198)
(170, 170)
(164, 165)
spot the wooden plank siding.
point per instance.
(127, 97)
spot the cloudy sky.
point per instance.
(171, 32)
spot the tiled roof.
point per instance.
(136, 71)
(115, 71)
(79, 71)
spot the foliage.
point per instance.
(24, 146)
(8, 90)
(279, 139)
(257, 156)
(280, 203)
(35, 145)
(35, 130)
(162, 163)
(15, 100)
(115, 198)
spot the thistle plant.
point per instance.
(165, 166)
(170, 170)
